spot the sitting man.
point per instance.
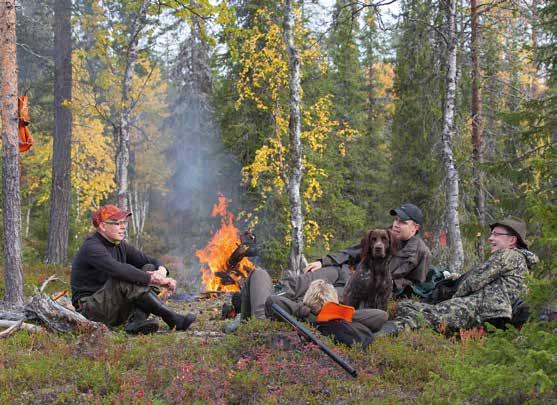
(484, 294)
(409, 264)
(112, 281)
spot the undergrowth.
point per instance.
(513, 366)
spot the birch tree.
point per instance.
(477, 121)
(122, 129)
(58, 229)
(451, 173)
(297, 260)
(10, 155)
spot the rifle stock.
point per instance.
(304, 331)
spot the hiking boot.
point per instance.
(388, 329)
(144, 327)
(138, 324)
(150, 303)
(232, 326)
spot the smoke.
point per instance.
(201, 168)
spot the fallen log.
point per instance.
(12, 315)
(58, 318)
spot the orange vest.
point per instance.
(332, 311)
(25, 138)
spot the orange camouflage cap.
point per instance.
(108, 211)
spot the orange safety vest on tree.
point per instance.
(25, 138)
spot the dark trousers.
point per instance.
(114, 302)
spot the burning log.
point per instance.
(225, 260)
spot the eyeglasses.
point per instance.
(500, 233)
(123, 222)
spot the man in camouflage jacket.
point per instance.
(486, 293)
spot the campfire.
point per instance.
(223, 261)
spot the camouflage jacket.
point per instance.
(498, 282)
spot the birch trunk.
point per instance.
(297, 260)
(11, 204)
(122, 131)
(139, 206)
(457, 253)
(60, 194)
(477, 123)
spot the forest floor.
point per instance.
(204, 365)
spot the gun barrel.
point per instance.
(298, 326)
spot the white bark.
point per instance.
(297, 259)
(122, 131)
(139, 207)
(451, 173)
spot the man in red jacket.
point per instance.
(112, 282)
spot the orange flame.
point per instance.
(214, 256)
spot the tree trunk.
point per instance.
(11, 203)
(139, 207)
(477, 124)
(122, 132)
(451, 174)
(58, 229)
(297, 260)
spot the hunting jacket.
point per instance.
(408, 265)
(498, 282)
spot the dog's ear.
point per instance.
(393, 242)
(366, 246)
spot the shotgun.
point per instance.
(304, 331)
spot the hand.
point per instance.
(163, 271)
(155, 277)
(313, 266)
(169, 283)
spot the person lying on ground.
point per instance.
(320, 306)
(114, 283)
(484, 294)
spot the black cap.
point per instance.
(409, 211)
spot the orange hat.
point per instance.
(109, 211)
(332, 311)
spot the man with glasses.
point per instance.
(486, 293)
(112, 282)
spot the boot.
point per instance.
(232, 326)
(139, 324)
(150, 303)
(388, 329)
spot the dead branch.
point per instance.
(48, 280)
(212, 334)
(14, 326)
(12, 329)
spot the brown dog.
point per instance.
(371, 285)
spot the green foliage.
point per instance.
(509, 366)
(416, 129)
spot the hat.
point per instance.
(409, 211)
(517, 226)
(109, 211)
